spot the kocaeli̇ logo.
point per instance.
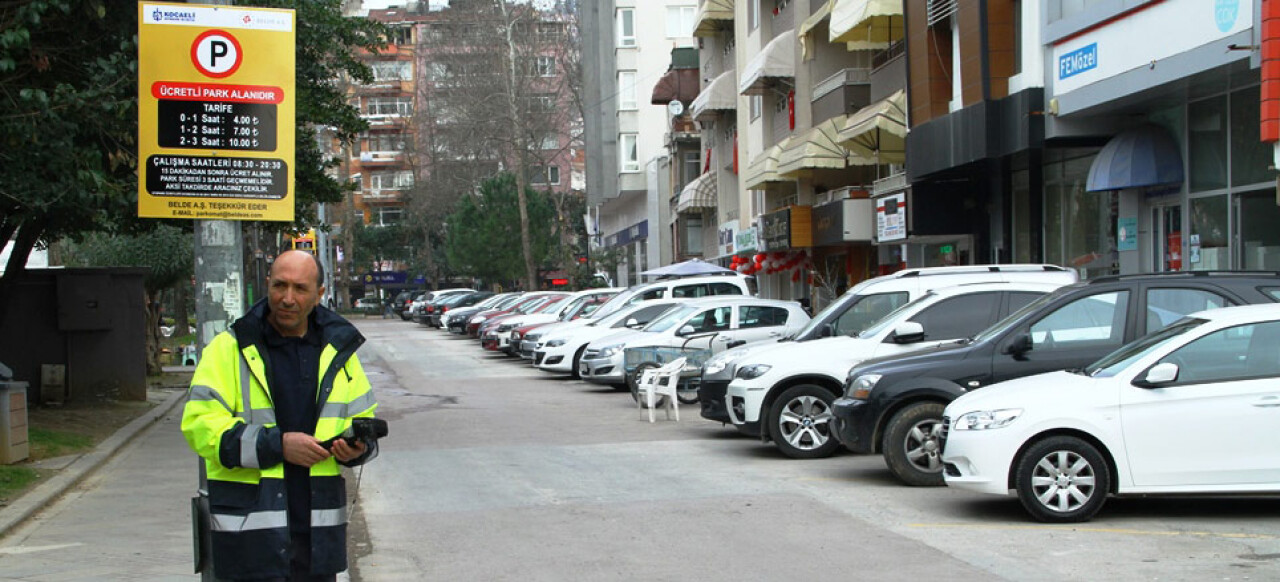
(162, 15)
(1078, 61)
(1225, 13)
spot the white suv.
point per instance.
(784, 393)
(560, 351)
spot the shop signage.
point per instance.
(747, 240)
(1125, 44)
(891, 217)
(215, 112)
(775, 230)
(385, 278)
(726, 237)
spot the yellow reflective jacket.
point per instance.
(229, 421)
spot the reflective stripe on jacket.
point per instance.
(229, 421)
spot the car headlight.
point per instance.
(987, 419)
(532, 336)
(715, 366)
(862, 385)
(753, 371)
(555, 343)
(610, 351)
(478, 319)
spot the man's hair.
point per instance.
(314, 258)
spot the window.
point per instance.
(392, 70)
(689, 291)
(391, 180)
(644, 315)
(1207, 147)
(711, 320)
(630, 156)
(1020, 299)
(626, 27)
(437, 71)
(1165, 306)
(756, 103)
(761, 316)
(680, 21)
(545, 66)
(1236, 353)
(867, 311)
(388, 216)
(544, 175)
(548, 31)
(386, 142)
(549, 141)
(626, 90)
(958, 317)
(691, 235)
(542, 103)
(1093, 321)
(692, 166)
(753, 15)
(401, 106)
(400, 35)
(724, 289)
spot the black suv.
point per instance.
(894, 405)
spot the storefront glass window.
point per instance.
(1053, 222)
(1022, 216)
(1207, 133)
(1260, 239)
(1079, 226)
(1209, 229)
(1250, 156)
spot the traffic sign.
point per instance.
(216, 112)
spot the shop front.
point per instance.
(842, 253)
(786, 241)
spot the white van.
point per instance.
(680, 288)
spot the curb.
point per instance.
(43, 495)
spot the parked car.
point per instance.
(422, 311)
(783, 393)
(682, 288)
(368, 304)
(570, 303)
(456, 301)
(859, 307)
(579, 313)
(456, 320)
(537, 302)
(400, 304)
(713, 324)
(561, 351)
(1189, 409)
(895, 405)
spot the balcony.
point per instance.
(889, 184)
(382, 121)
(387, 158)
(380, 196)
(386, 87)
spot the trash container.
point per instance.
(13, 422)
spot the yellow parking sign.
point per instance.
(216, 112)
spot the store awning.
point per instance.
(776, 60)
(710, 16)
(879, 131)
(676, 85)
(866, 24)
(719, 95)
(810, 23)
(697, 194)
(763, 169)
(818, 147)
(1143, 156)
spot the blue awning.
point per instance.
(1142, 156)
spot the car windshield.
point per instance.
(551, 306)
(893, 317)
(998, 327)
(851, 314)
(1117, 361)
(670, 318)
(616, 303)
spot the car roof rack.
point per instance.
(962, 269)
(1182, 275)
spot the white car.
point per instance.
(560, 351)
(784, 392)
(1189, 409)
(713, 323)
(568, 305)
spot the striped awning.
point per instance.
(763, 170)
(710, 16)
(698, 194)
(810, 23)
(866, 24)
(776, 60)
(718, 95)
(879, 131)
(818, 147)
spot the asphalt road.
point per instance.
(494, 470)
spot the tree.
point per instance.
(165, 250)
(483, 232)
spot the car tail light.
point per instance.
(444, 309)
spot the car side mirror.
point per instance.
(1019, 346)
(633, 323)
(1159, 374)
(734, 344)
(827, 330)
(687, 330)
(908, 332)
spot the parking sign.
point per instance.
(216, 112)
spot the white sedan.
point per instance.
(1189, 409)
(560, 351)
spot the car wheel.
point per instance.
(800, 422)
(912, 444)
(633, 383)
(576, 370)
(1062, 479)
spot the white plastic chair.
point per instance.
(655, 382)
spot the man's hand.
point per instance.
(345, 452)
(303, 449)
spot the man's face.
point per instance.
(292, 292)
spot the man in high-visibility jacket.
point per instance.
(264, 397)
